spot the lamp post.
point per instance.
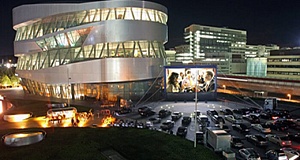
(195, 112)
(68, 87)
(290, 96)
(224, 87)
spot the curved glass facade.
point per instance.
(51, 43)
(53, 24)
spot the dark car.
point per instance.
(186, 120)
(257, 139)
(181, 131)
(123, 111)
(227, 111)
(211, 112)
(294, 137)
(241, 127)
(277, 125)
(145, 111)
(236, 142)
(254, 110)
(164, 113)
(288, 122)
(252, 118)
(217, 119)
(199, 137)
(276, 154)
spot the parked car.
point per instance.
(227, 111)
(277, 125)
(276, 155)
(252, 118)
(289, 122)
(295, 137)
(176, 115)
(257, 139)
(225, 127)
(249, 154)
(155, 120)
(186, 120)
(261, 128)
(145, 111)
(255, 110)
(241, 127)
(181, 131)
(164, 113)
(217, 119)
(271, 115)
(211, 112)
(202, 119)
(199, 137)
(123, 110)
(291, 153)
(232, 119)
(167, 125)
(236, 142)
(281, 140)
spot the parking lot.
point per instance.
(188, 108)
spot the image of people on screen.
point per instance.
(188, 83)
(209, 83)
(173, 84)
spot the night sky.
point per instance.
(266, 21)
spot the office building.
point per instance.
(101, 49)
(204, 40)
(284, 63)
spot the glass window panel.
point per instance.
(128, 14)
(112, 15)
(62, 40)
(137, 13)
(120, 13)
(144, 15)
(104, 14)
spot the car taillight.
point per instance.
(283, 143)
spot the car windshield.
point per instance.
(181, 129)
(236, 140)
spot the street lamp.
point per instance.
(224, 87)
(290, 96)
(195, 112)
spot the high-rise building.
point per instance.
(102, 50)
(204, 40)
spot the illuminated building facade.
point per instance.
(102, 50)
(284, 63)
(204, 40)
(259, 50)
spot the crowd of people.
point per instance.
(188, 82)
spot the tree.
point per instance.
(5, 81)
(14, 80)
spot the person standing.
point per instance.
(209, 85)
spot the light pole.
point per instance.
(290, 96)
(195, 112)
(68, 87)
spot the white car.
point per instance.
(261, 128)
(249, 154)
(232, 119)
(281, 140)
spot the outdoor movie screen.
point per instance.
(188, 79)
